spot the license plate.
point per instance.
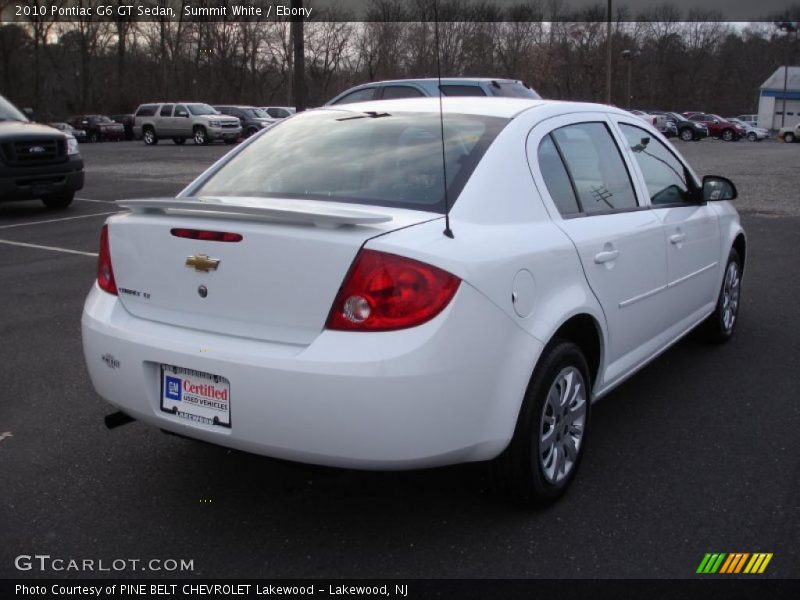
(196, 396)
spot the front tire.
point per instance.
(752, 137)
(720, 324)
(549, 440)
(686, 134)
(788, 137)
(200, 136)
(728, 135)
(94, 137)
(58, 201)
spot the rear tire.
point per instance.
(149, 136)
(788, 137)
(179, 141)
(728, 135)
(686, 134)
(58, 201)
(752, 136)
(549, 440)
(94, 137)
(720, 325)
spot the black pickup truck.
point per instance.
(37, 161)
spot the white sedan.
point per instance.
(307, 298)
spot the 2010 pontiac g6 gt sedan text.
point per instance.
(305, 298)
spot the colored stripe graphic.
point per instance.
(733, 563)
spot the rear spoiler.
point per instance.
(268, 209)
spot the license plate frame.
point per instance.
(195, 396)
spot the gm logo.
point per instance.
(734, 563)
(173, 386)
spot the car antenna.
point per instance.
(447, 231)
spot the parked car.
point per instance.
(658, 121)
(279, 112)
(789, 134)
(450, 86)
(686, 129)
(180, 121)
(351, 313)
(754, 134)
(98, 128)
(751, 120)
(127, 123)
(78, 134)
(719, 127)
(251, 118)
(37, 162)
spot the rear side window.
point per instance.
(512, 89)
(556, 178)
(146, 110)
(166, 110)
(278, 113)
(461, 90)
(391, 92)
(596, 168)
(357, 96)
(342, 156)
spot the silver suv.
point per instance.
(180, 121)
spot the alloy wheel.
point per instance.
(730, 295)
(562, 424)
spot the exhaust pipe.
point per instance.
(117, 419)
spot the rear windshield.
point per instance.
(366, 158)
(512, 89)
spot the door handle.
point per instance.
(606, 256)
(677, 238)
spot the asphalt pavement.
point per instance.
(697, 453)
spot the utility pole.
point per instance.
(787, 27)
(629, 56)
(608, 53)
(298, 43)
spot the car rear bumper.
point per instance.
(445, 392)
(27, 183)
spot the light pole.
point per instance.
(629, 56)
(608, 53)
(787, 27)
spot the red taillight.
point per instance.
(383, 292)
(105, 273)
(208, 236)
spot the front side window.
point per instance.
(392, 92)
(180, 111)
(666, 178)
(596, 168)
(366, 158)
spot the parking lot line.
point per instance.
(113, 212)
(93, 200)
(51, 248)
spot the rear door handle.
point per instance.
(606, 256)
(677, 238)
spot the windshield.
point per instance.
(256, 113)
(99, 120)
(202, 109)
(365, 158)
(512, 89)
(9, 112)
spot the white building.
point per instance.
(771, 99)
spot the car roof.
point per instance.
(473, 105)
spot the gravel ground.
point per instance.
(767, 174)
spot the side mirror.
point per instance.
(716, 121)
(28, 112)
(716, 188)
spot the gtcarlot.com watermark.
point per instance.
(45, 563)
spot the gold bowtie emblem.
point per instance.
(201, 262)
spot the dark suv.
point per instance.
(252, 119)
(687, 129)
(98, 128)
(36, 161)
